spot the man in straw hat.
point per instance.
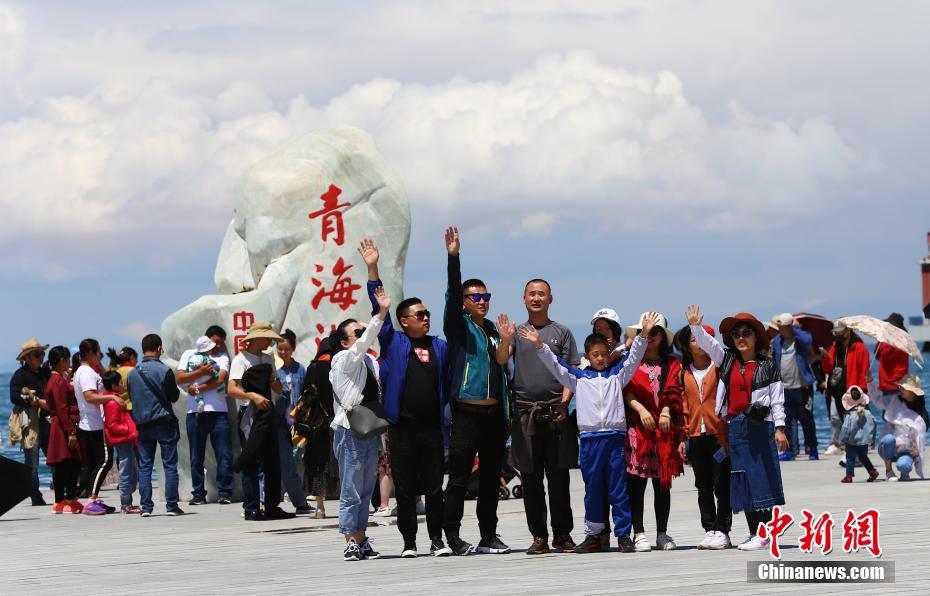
(259, 338)
(27, 398)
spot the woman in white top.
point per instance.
(354, 379)
(905, 428)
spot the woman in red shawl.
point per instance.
(64, 452)
(654, 422)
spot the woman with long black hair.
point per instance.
(751, 400)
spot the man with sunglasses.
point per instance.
(414, 378)
(478, 394)
(26, 395)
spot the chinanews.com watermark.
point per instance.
(860, 532)
(854, 572)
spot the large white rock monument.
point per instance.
(289, 255)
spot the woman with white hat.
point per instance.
(905, 427)
(751, 399)
(653, 399)
(27, 395)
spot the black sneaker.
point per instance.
(459, 547)
(224, 501)
(563, 543)
(625, 544)
(492, 546)
(254, 516)
(175, 511)
(352, 552)
(108, 508)
(278, 513)
(540, 546)
(197, 500)
(305, 510)
(410, 551)
(605, 539)
(438, 548)
(591, 544)
(367, 548)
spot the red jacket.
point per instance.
(857, 364)
(892, 366)
(118, 426)
(63, 409)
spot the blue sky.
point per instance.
(763, 156)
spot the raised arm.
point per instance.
(356, 353)
(704, 341)
(564, 375)
(637, 351)
(453, 323)
(506, 329)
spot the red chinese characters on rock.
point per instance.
(322, 330)
(774, 529)
(331, 215)
(861, 531)
(241, 322)
(817, 532)
(342, 292)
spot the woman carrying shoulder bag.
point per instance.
(355, 383)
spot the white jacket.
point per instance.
(598, 395)
(349, 372)
(772, 395)
(908, 427)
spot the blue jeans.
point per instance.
(214, 425)
(603, 467)
(165, 436)
(888, 450)
(854, 451)
(128, 472)
(358, 472)
(31, 459)
(289, 476)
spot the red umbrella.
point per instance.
(820, 328)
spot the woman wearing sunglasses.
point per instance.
(751, 400)
(653, 399)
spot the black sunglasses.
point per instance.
(744, 333)
(358, 333)
(654, 332)
(479, 297)
(420, 315)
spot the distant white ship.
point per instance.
(919, 327)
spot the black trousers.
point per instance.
(546, 463)
(662, 501)
(754, 518)
(65, 477)
(416, 465)
(98, 459)
(711, 479)
(475, 431)
(259, 454)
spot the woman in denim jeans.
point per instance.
(354, 378)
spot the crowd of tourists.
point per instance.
(631, 411)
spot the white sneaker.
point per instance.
(720, 541)
(890, 477)
(409, 553)
(708, 538)
(754, 543)
(382, 512)
(832, 450)
(665, 542)
(641, 545)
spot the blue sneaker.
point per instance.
(812, 454)
(786, 456)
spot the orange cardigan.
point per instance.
(700, 404)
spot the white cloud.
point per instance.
(567, 135)
(134, 331)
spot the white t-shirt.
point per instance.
(244, 361)
(87, 379)
(699, 375)
(214, 400)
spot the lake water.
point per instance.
(820, 416)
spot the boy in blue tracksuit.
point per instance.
(414, 376)
(602, 428)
